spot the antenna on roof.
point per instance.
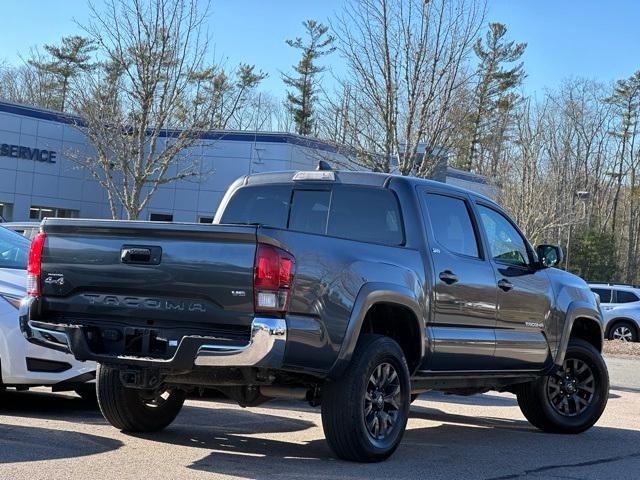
(322, 165)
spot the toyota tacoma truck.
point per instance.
(354, 291)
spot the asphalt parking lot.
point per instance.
(44, 435)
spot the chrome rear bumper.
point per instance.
(268, 339)
(265, 348)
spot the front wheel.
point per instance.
(364, 413)
(132, 409)
(570, 400)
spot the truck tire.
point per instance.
(364, 413)
(570, 401)
(135, 410)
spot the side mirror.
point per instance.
(550, 255)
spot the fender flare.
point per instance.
(576, 309)
(369, 295)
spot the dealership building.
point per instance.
(39, 178)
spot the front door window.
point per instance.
(505, 243)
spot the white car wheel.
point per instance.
(623, 331)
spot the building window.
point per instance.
(160, 217)
(6, 212)
(206, 220)
(38, 213)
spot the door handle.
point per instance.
(505, 285)
(448, 277)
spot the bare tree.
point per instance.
(152, 48)
(152, 98)
(405, 65)
(554, 176)
(28, 85)
(626, 104)
(525, 183)
(226, 97)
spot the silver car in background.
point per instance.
(620, 304)
(622, 323)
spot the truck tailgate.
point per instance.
(150, 272)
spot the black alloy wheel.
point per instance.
(571, 398)
(382, 402)
(570, 391)
(365, 411)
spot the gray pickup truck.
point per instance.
(350, 290)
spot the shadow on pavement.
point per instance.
(53, 406)
(28, 444)
(455, 446)
(465, 447)
(436, 445)
(487, 399)
(625, 389)
(195, 420)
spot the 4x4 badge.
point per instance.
(54, 279)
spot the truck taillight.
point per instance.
(273, 275)
(34, 267)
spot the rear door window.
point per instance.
(365, 214)
(261, 204)
(451, 224)
(603, 293)
(624, 296)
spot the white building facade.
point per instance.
(38, 177)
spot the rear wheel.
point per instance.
(364, 413)
(135, 410)
(623, 330)
(570, 400)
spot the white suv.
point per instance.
(621, 310)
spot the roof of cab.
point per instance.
(373, 179)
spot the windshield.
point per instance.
(14, 249)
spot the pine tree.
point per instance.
(68, 60)
(301, 99)
(494, 91)
(593, 256)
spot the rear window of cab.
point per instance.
(367, 214)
